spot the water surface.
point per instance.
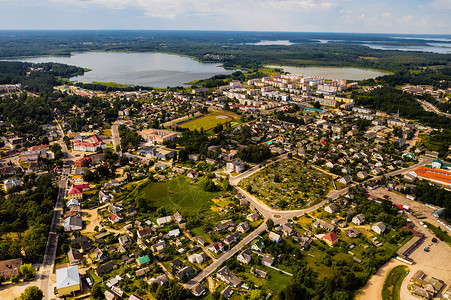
(332, 72)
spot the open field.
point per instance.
(177, 194)
(392, 284)
(210, 120)
(289, 184)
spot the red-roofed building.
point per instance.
(96, 139)
(434, 175)
(83, 162)
(115, 218)
(75, 192)
(83, 186)
(89, 147)
(41, 148)
(331, 238)
(142, 233)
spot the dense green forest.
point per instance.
(28, 214)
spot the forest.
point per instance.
(27, 215)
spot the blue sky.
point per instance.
(373, 16)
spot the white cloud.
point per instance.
(440, 4)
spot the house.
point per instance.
(235, 166)
(245, 257)
(157, 136)
(143, 261)
(72, 202)
(105, 196)
(7, 171)
(178, 217)
(257, 245)
(198, 290)
(67, 281)
(125, 240)
(225, 225)
(243, 227)
(197, 258)
(267, 260)
(9, 183)
(372, 186)
(75, 257)
(331, 208)
(331, 239)
(352, 232)
(89, 147)
(83, 162)
(201, 240)
(228, 277)
(142, 233)
(274, 237)
(305, 243)
(322, 224)
(75, 192)
(287, 229)
(227, 292)
(10, 267)
(358, 219)
(345, 180)
(158, 247)
(232, 238)
(253, 217)
(259, 273)
(113, 218)
(73, 223)
(102, 269)
(362, 175)
(101, 254)
(134, 297)
(174, 232)
(164, 220)
(216, 247)
(379, 227)
(185, 273)
(110, 295)
(161, 280)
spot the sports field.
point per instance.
(209, 121)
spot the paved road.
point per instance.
(115, 135)
(212, 267)
(430, 107)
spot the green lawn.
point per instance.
(206, 122)
(178, 194)
(392, 284)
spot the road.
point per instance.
(115, 135)
(431, 108)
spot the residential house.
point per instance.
(228, 277)
(305, 243)
(362, 175)
(227, 292)
(243, 227)
(197, 258)
(331, 208)
(257, 245)
(379, 227)
(101, 254)
(110, 295)
(161, 280)
(143, 261)
(185, 273)
(259, 273)
(267, 260)
(331, 239)
(322, 224)
(113, 218)
(164, 220)
(72, 202)
(75, 257)
(67, 281)
(198, 290)
(352, 232)
(73, 223)
(236, 166)
(158, 247)
(245, 256)
(106, 267)
(142, 233)
(287, 229)
(10, 267)
(253, 217)
(125, 240)
(225, 225)
(201, 240)
(216, 247)
(358, 219)
(9, 183)
(232, 238)
(345, 180)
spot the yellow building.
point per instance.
(67, 280)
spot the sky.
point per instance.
(364, 16)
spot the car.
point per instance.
(426, 249)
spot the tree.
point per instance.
(32, 293)
(96, 292)
(14, 278)
(270, 224)
(27, 272)
(2, 279)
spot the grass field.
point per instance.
(210, 120)
(178, 194)
(392, 284)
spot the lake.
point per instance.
(144, 68)
(333, 72)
